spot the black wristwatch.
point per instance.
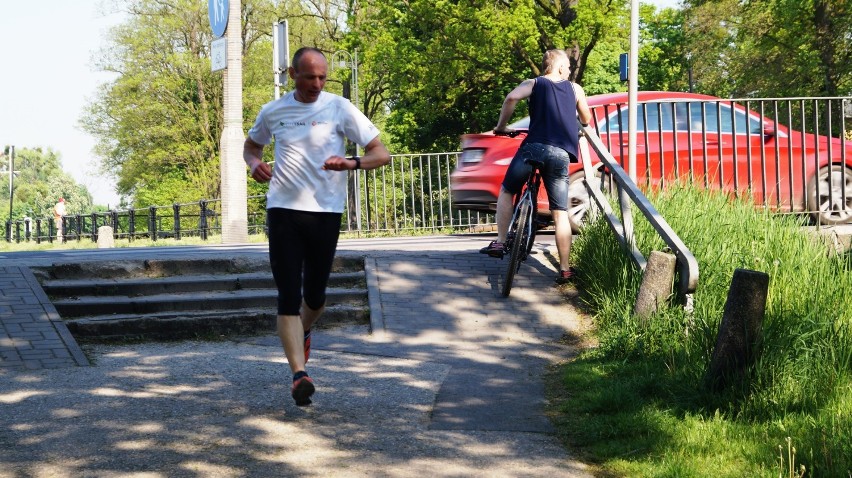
(357, 160)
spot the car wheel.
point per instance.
(829, 206)
(579, 201)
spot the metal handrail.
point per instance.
(627, 191)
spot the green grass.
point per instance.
(87, 243)
(636, 405)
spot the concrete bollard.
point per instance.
(656, 284)
(739, 332)
(105, 239)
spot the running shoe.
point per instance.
(495, 249)
(565, 277)
(303, 388)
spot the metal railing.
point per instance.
(626, 192)
(411, 195)
(771, 149)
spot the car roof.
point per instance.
(622, 97)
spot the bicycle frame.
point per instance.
(522, 228)
(529, 194)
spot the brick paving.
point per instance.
(32, 335)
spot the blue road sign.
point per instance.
(217, 10)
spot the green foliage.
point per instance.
(795, 48)
(429, 71)
(798, 387)
(770, 48)
(451, 64)
(159, 122)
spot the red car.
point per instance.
(715, 143)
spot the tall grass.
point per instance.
(798, 387)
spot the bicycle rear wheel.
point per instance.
(517, 249)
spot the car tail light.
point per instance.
(471, 156)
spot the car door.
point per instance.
(752, 155)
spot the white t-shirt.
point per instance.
(306, 135)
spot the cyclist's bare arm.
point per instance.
(521, 92)
(583, 111)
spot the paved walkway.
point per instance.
(449, 384)
(32, 335)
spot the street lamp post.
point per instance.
(10, 169)
(689, 70)
(339, 59)
(342, 59)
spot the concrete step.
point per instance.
(176, 299)
(199, 324)
(59, 289)
(172, 267)
(197, 301)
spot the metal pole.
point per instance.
(11, 180)
(280, 54)
(633, 82)
(689, 69)
(357, 153)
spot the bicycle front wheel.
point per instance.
(517, 248)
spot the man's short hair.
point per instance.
(551, 59)
(301, 52)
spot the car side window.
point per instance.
(662, 116)
(740, 119)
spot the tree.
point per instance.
(663, 57)
(771, 48)
(450, 64)
(162, 116)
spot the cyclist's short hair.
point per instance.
(301, 52)
(551, 60)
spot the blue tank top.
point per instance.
(553, 115)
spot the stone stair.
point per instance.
(179, 299)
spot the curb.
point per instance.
(377, 319)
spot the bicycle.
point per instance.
(522, 228)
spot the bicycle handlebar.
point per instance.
(510, 134)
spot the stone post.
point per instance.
(105, 237)
(740, 329)
(656, 284)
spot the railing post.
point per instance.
(176, 208)
(202, 219)
(94, 227)
(28, 228)
(38, 231)
(17, 231)
(152, 222)
(79, 227)
(131, 226)
(114, 218)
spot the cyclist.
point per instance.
(554, 106)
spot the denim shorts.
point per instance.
(554, 172)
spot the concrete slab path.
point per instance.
(448, 385)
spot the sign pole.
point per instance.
(234, 190)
